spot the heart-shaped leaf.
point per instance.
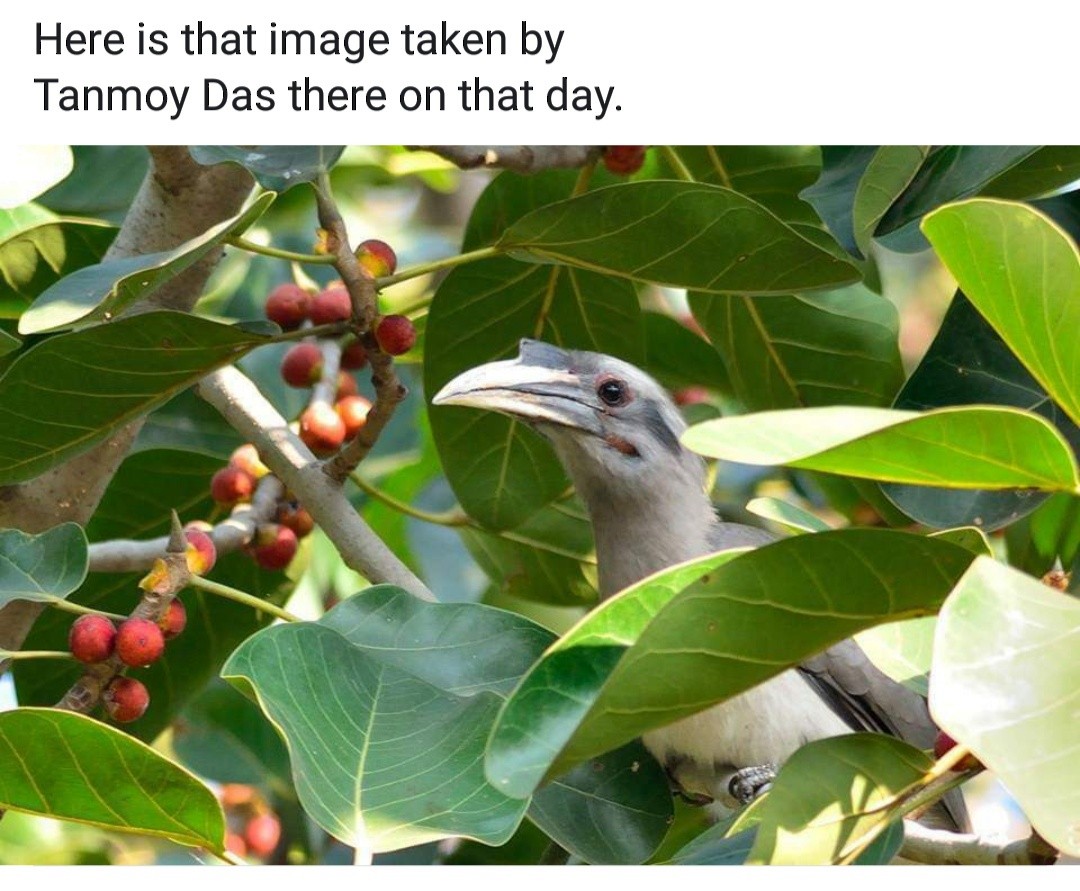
(676, 642)
(1005, 683)
(104, 290)
(71, 767)
(1022, 272)
(43, 567)
(976, 447)
(276, 167)
(689, 235)
(68, 393)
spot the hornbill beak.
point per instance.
(538, 386)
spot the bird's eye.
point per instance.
(613, 391)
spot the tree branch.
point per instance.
(939, 847)
(519, 158)
(248, 411)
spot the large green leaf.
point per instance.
(833, 195)
(950, 173)
(1022, 273)
(977, 447)
(833, 797)
(902, 650)
(690, 235)
(1006, 683)
(500, 471)
(792, 517)
(138, 504)
(889, 172)
(613, 809)
(385, 705)
(8, 344)
(967, 364)
(677, 357)
(67, 393)
(43, 567)
(33, 259)
(276, 167)
(828, 348)
(676, 643)
(103, 183)
(104, 290)
(1051, 168)
(773, 175)
(71, 767)
(543, 559)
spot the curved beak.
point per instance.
(538, 386)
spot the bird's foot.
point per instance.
(747, 784)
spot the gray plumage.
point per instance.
(617, 432)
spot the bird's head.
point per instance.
(614, 427)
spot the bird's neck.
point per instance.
(641, 529)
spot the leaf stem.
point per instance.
(69, 607)
(241, 597)
(35, 654)
(278, 253)
(446, 518)
(419, 269)
(581, 185)
(672, 157)
(332, 329)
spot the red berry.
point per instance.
(274, 546)
(126, 699)
(291, 514)
(354, 356)
(262, 834)
(201, 553)
(139, 642)
(624, 158)
(346, 386)
(353, 411)
(395, 334)
(377, 257)
(331, 305)
(92, 638)
(302, 365)
(288, 305)
(945, 743)
(236, 844)
(175, 620)
(321, 429)
(246, 457)
(231, 485)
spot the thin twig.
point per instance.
(238, 596)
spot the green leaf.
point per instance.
(33, 259)
(543, 559)
(902, 650)
(102, 291)
(1051, 168)
(688, 235)
(967, 364)
(406, 693)
(675, 643)
(500, 471)
(612, 809)
(14, 220)
(677, 357)
(1005, 683)
(1022, 273)
(889, 172)
(138, 504)
(835, 347)
(833, 195)
(104, 182)
(977, 447)
(773, 175)
(71, 767)
(715, 847)
(275, 167)
(1055, 530)
(190, 423)
(8, 344)
(68, 393)
(950, 173)
(788, 515)
(833, 797)
(45, 567)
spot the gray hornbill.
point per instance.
(617, 433)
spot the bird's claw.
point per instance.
(747, 784)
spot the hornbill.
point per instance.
(616, 431)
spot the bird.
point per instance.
(617, 433)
